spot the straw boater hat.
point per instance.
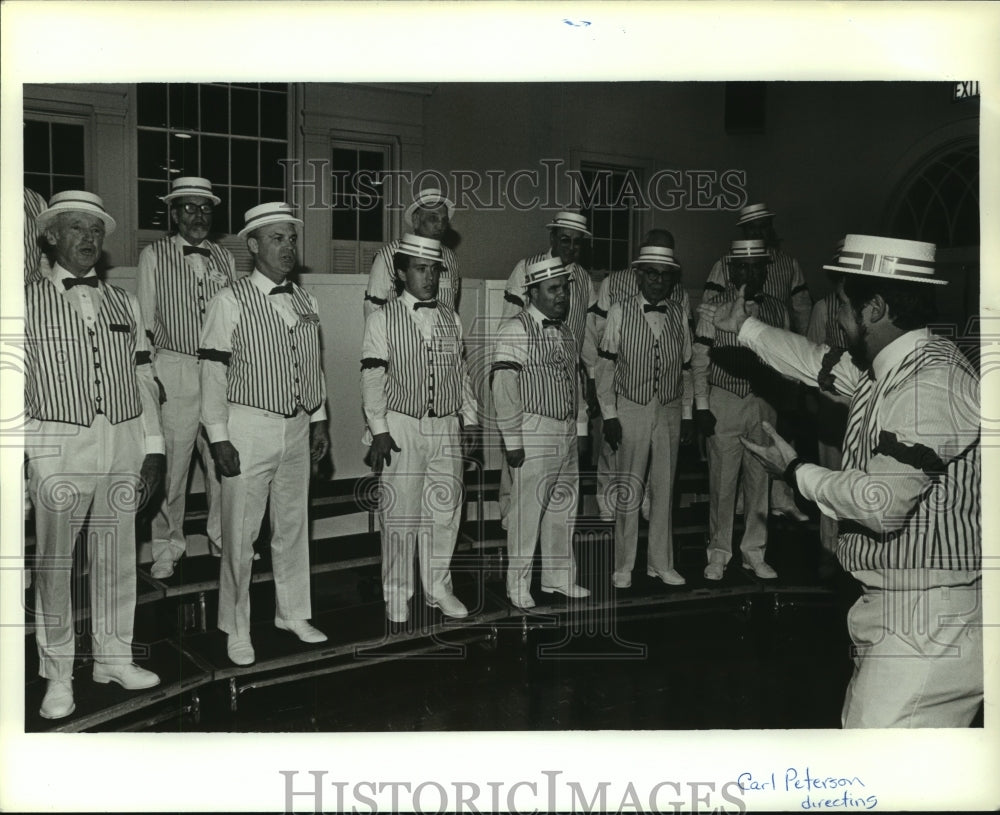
(657, 256)
(277, 212)
(417, 247)
(543, 270)
(891, 258)
(191, 185)
(754, 212)
(431, 197)
(570, 220)
(75, 201)
(748, 250)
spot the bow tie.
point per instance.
(285, 289)
(551, 323)
(425, 304)
(70, 282)
(195, 250)
(646, 308)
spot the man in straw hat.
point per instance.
(907, 497)
(263, 408)
(734, 393)
(567, 231)
(93, 443)
(617, 287)
(421, 411)
(177, 277)
(540, 411)
(645, 391)
(429, 216)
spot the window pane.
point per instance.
(279, 87)
(244, 118)
(151, 104)
(343, 219)
(215, 159)
(184, 106)
(214, 109)
(184, 155)
(370, 224)
(273, 116)
(619, 255)
(244, 162)
(601, 254)
(242, 200)
(152, 211)
(220, 216)
(272, 174)
(345, 160)
(152, 154)
(601, 223)
(619, 224)
(38, 183)
(370, 160)
(36, 147)
(67, 149)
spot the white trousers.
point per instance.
(420, 506)
(180, 416)
(919, 658)
(75, 471)
(274, 460)
(606, 467)
(544, 491)
(737, 417)
(648, 430)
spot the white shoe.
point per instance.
(761, 569)
(397, 612)
(573, 591)
(126, 674)
(671, 577)
(58, 702)
(522, 600)
(621, 580)
(714, 570)
(162, 569)
(240, 650)
(450, 606)
(301, 629)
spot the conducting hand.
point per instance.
(776, 456)
(729, 316)
(227, 458)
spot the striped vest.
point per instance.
(738, 369)
(274, 367)
(181, 297)
(549, 379)
(423, 377)
(579, 298)
(649, 366)
(623, 284)
(447, 286)
(73, 372)
(943, 531)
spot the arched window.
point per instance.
(939, 200)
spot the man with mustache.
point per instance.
(908, 495)
(734, 393)
(263, 408)
(177, 277)
(540, 412)
(429, 216)
(93, 443)
(421, 411)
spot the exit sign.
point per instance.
(965, 90)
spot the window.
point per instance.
(54, 157)
(232, 134)
(358, 213)
(609, 213)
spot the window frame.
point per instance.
(68, 115)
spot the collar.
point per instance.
(262, 282)
(537, 316)
(180, 242)
(409, 299)
(57, 274)
(897, 350)
(644, 301)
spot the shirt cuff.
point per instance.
(608, 411)
(154, 445)
(319, 415)
(701, 403)
(378, 426)
(217, 432)
(687, 412)
(751, 330)
(513, 440)
(582, 428)
(807, 478)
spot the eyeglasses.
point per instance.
(204, 209)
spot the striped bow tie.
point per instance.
(195, 250)
(551, 323)
(646, 308)
(70, 282)
(285, 289)
(425, 304)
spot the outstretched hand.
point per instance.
(731, 315)
(776, 456)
